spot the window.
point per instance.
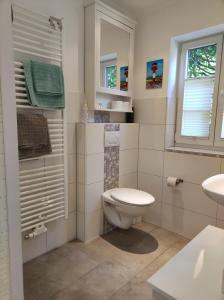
(111, 76)
(199, 121)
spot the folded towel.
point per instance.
(33, 135)
(45, 84)
(47, 79)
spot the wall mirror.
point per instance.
(114, 56)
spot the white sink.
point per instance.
(214, 188)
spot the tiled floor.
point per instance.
(115, 266)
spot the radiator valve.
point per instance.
(35, 232)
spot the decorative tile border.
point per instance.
(111, 169)
(112, 127)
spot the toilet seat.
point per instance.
(132, 197)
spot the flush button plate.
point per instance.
(112, 138)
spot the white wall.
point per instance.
(90, 173)
(72, 12)
(185, 209)
(154, 32)
(4, 246)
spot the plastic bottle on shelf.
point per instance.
(84, 113)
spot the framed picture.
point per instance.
(124, 78)
(154, 74)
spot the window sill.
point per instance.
(202, 152)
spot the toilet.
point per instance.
(121, 205)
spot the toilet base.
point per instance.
(115, 217)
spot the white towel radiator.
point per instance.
(43, 180)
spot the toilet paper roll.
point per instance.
(172, 181)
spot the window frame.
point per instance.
(218, 140)
(188, 141)
(106, 75)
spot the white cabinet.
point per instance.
(109, 50)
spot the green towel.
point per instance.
(45, 84)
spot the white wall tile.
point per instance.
(220, 223)
(220, 213)
(129, 136)
(74, 99)
(71, 168)
(153, 213)
(171, 111)
(129, 180)
(94, 138)
(34, 247)
(150, 111)
(152, 137)
(184, 222)
(71, 138)
(93, 193)
(191, 197)
(169, 136)
(80, 138)
(128, 161)
(71, 226)
(151, 162)
(81, 168)
(222, 166)
(151, 184)
(80, 226)
(71, 197)
(60, 232)
(93, 225)
(81, 197)
(94, 168)
(192, 168)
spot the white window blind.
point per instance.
(222, 131)
(198, 88)
(197, 106)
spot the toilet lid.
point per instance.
(132, 196)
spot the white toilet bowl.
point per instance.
(121, 205)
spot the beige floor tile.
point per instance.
(68, 269)
(115, 266)
(99, 250)
(145, 226)
(133, 291)
(159, 262)
(104, 280)
(165, 237)
(41, 289)
(33, 270)
(74, 293)
(138, 288)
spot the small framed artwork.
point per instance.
(154, 74)
(124, 78)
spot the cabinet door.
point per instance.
(114, 56)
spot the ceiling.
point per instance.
(137, 8)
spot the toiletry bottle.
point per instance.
(84, 113)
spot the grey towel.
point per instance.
(33, 135)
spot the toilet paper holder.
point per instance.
(179, 180)
(174, 181)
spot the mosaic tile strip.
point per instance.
(111, 169)
(112, 127)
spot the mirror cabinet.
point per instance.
(109, 50)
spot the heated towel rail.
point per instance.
(43, 180)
